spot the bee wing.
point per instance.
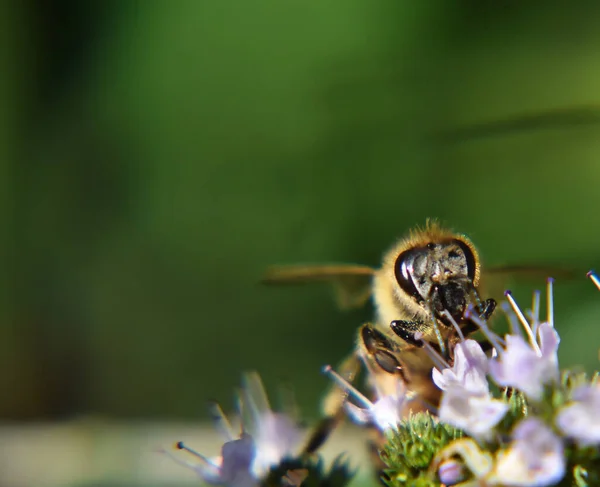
(528, 271)
(496, 279)
(351, 283)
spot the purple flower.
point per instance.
(276, 437)
(468, 371)
(232, 469)
(475, 413)
(451, 472)
(580, 419)
(266, 438)
(527, 367)
(535, 457)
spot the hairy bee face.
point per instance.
(438, 276)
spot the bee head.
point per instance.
(439, 276)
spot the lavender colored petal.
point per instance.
(534, 459)
(580, 420)
(477, 414)
(520, 367)
(238, 456)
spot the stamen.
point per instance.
(255, 397)
(454, 324)
(523, 321)
(594, 277)
(180, 461)
(535, 311)
(180, 445)
(437, 359)
(288, 401)
(241, 407)
(511, 318)
(494, 339)
(221, 421)
(255, 391)
(349, 388)
(550, 302)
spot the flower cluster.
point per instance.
(507, 416)
(266, 449)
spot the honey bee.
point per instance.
(425, 285)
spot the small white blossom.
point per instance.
(477, 414)
(535, 458)
(385, 413)
(580, 419)
(468, 371)
(526, 368)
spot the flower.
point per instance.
(580, 419)
(535, 458)
(450, 472)
(528, 365)
(475, 413)
(468, 371)
(232, 469)
(266, 439)
(385, 413)
(523, 367)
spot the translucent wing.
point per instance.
(496, 280)
(351, 283)
(529, 272)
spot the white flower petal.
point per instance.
(276, 437)
(469, 369)
(385, 413)
(477, 414)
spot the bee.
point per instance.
(425, 285)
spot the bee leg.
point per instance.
(381, 351)
(488, 308)
(406, 330)
(320, 434)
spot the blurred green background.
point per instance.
(160, 155)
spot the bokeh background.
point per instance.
(158, 156)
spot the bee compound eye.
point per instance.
(469, 258)
(403, 269)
